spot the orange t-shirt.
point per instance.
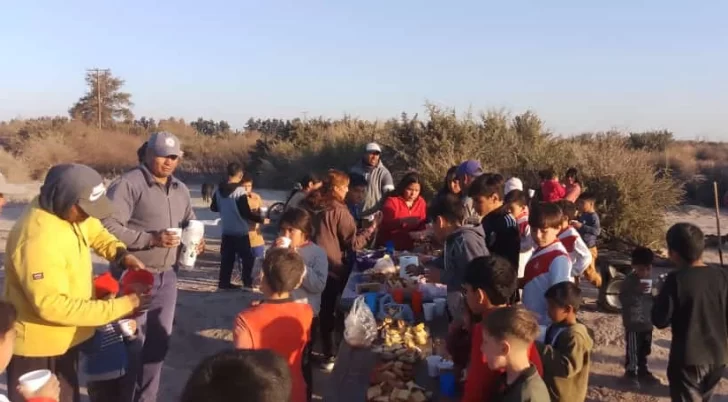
(282, 326)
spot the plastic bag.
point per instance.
(360, 327)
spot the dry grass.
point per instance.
(627, 171)
(32, 146)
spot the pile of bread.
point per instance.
(400, 334)
(392, 380)
(395, 390)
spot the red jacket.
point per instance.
(392, 228)
(481, 380)
(552, 190)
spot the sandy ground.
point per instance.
(204, 315)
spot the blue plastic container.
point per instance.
(389, 246)
(448, 384)
(370, 298)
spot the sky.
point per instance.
(581, 66)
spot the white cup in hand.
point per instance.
(128, 327)
(283, 242)
(34, 380)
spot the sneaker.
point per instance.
(648, 378)
(229, 286)
(327, 363)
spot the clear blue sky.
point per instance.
(624, 64)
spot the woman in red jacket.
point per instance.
(403, 212)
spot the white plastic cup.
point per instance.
(531, 193)
(35, 380)
(440, 305)
(126, 328)
(264, 211)
(285, 242)
(432, 362)
(429, 310)
(445, 365)
(648, 282)
(175, 231)
(191, 237)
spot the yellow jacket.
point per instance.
(49, 278)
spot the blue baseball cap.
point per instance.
(470, 167)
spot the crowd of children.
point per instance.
(511, 265)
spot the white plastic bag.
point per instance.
(360, 327)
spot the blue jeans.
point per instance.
(258, 251)
(148, 351)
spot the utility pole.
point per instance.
(98, 72)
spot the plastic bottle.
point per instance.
(191, 237)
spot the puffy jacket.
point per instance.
(49, 277)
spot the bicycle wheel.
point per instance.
(275, 211)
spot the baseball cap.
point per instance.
(165, 144)
(514, 183)
(374, 147)
(81, 185)
(470, 167)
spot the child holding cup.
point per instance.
(106, 352)
(36, 386)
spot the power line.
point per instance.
(98, 72)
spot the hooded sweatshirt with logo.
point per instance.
(566, 358)
(49, 277)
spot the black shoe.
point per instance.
(646, 377)
(229, 286)
(632, 378)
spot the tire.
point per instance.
(610, 295)
(613, 272)
(275, 211)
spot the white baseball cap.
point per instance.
(374, 147)
(514, 183)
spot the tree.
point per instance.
(115, 105)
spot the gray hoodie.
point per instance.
(314, 281)
(462, 246)
(379, 181)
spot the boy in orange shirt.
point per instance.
(278, 322)
(489, 284)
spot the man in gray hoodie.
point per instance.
(148, 201)
(379, 179)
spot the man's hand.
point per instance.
(576, 224)
(50, 390)
(414, 270)
(201, 247)
(140, 302)
(132, 263)
(165, 239)
(433, 275)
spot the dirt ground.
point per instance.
(204, 318)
